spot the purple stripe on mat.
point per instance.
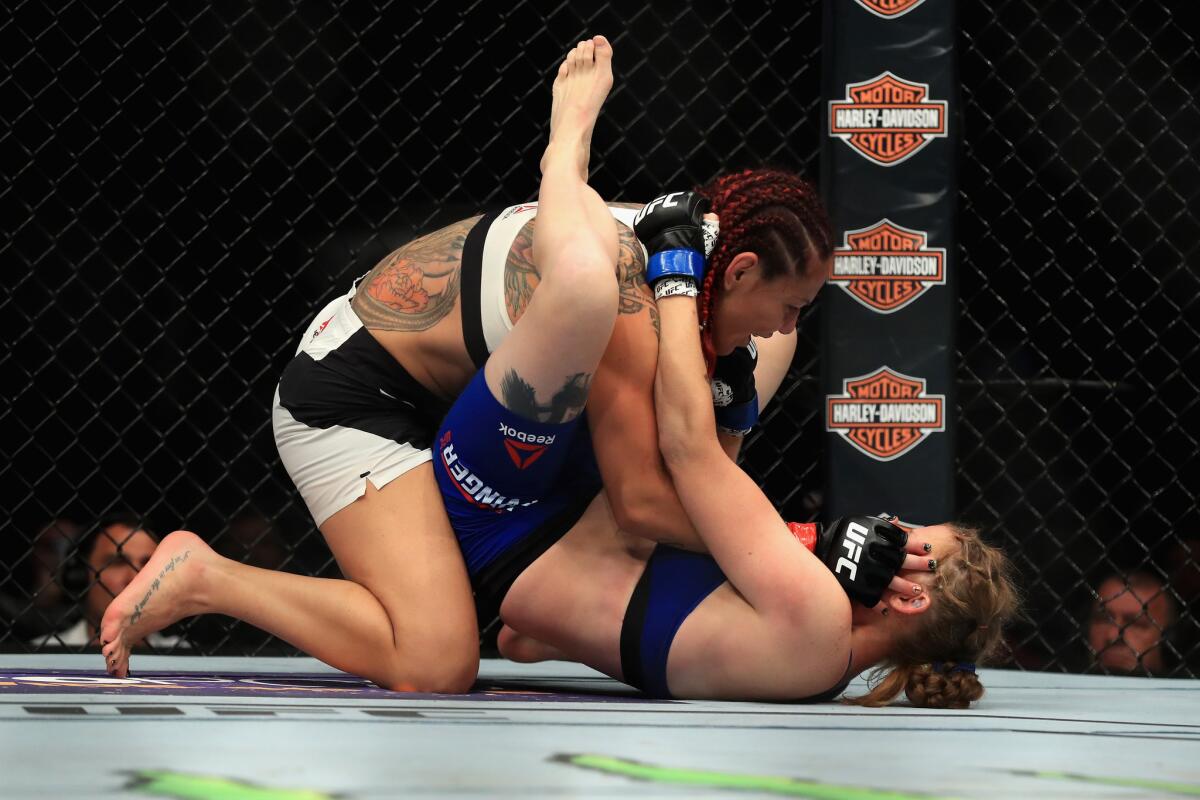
(252, 684)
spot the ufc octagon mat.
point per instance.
(278, 729)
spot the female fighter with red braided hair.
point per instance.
(756, 279)
(356, 409)
(775, 612)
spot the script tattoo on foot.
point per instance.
(170, 567)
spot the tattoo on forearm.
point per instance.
(416, 286)
(518, 396)
(170, 567)
(521, 276)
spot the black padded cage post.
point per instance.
(889, 163)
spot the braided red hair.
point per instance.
(775, 214)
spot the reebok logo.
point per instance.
(321, 327)
(522, 436)
(524, 448)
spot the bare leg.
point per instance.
(543, 368)
(404, 619)
(577, 101)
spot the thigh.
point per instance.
(543, 368)
(397, 542)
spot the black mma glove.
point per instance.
(735, 398)
(863, 552)
(671, 228)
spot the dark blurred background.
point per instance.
(184, 188)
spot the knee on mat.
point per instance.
(434, 670)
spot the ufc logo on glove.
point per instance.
(666, 201)
(856, 537)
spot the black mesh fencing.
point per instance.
(1080, 325)
(186, 187)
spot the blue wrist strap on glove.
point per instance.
(678, 263)
(738, 418)
(735, 399)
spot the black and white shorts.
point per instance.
(345, 412)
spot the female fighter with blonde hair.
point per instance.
(777, 611)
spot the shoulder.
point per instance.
(812, 631)
(726, 649)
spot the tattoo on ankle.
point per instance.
(518, 396)
(137, 610)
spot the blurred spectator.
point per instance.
(51, 548)
(1130, 621)
(105, 562)
(40, 603)
(253, 539)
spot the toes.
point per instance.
(589, 52)
(603, 48)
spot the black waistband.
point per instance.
(471, 279)
(631, 632)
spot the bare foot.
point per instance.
(164, 592)
(525, 649)
(583, 82)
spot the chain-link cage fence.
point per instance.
(1080, 326)
(186, 187)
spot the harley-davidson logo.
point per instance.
(886, 119)
(884, 414)
(889, 9)
(885, 266)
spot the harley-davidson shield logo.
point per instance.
(886, 119)
(889, 9)
(885, 266)
(884, 414)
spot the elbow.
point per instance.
(634, 518)
(640, 513)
